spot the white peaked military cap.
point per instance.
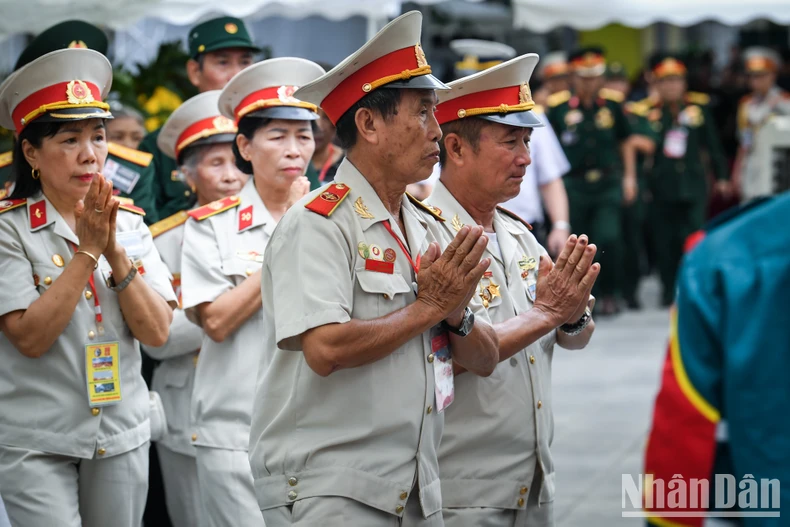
(196, 122)
(64, 85)
(500, 94)
(266, 89)
(393, 58)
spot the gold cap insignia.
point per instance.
(286, 94)
(79, 44)
(223, 124)
(77, 92)
(231, 28)
(524, 94)
(421, 60)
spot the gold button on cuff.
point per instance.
(292, 495)
(521, 502)
(194, 437)
(88, 295)
(91, 334)
(95, 411)
(523, 490)
(431, 357)
(398, 509)
(47, 280)
(404, 495)
(292, 481)
(540, 404)
(101, 451)
(430, 409)
(532, 359)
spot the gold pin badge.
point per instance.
(231, 28)
(363, 249)
(362, 210)
(58, 260)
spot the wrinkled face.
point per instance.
(279, 152)
(498, 166)
(325, 132)
(409, 140)
(125, 131)
(218, 67)
(215, 175)
(587, 86)
(672, 88)
(762, 82)
(70, 159)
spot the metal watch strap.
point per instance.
(577, 327)
(125, 282)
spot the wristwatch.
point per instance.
(578, 326)
(466, 324)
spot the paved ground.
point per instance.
(603, 401)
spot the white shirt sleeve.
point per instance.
(548, 157)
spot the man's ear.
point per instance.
(244, 146)
(368, 124)
(194, 73)
(456, 149)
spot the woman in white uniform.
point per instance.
(223, 250)
(81, 287)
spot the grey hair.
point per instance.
(190, 159)
(120, 110)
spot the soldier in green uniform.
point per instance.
(219, 48)
(594, 133)
(688, 148)
(128, 169)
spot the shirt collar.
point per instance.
(366, 203)
(251, 203)
(41, 213)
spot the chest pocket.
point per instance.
(382, 294)
(45, 274)
(238, 269)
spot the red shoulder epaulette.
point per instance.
(430, 209)
(215, 207)
(132, 208)
(11, 204)
(169, 223)
(329, 199)
(513, 215)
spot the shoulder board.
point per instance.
(215, 207)
(129, 154)
(513, 215)
(329, 199)
(612, 95)
(698, 98)
(430, 209)
(637, 108)
(539, 109)
(11, 204)
(169, 223)
(6, 158)
(3, 193)
(132, 208)
(123, 200)
(555, 99)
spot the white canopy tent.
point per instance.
(544, 15)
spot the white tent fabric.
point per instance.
(544, 15)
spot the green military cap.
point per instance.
(68, 34)
(219, 33)
(616, 70)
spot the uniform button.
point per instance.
(521, 502)
(194, 437)
(249, 271)
(540, 404)
(88, 295)
(523, 490)
(95, 411)
(187, 193)
(398, 509)
(513, 361)
(91, 334)
(47, 280)
(386, 296)
(101, 451)
(431, 357)
(532, 359)
(292, 481)
(404, 495)
(430, 409)
(292, 495)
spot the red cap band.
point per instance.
(71, 94)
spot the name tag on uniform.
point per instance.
(124, 179)
(675, 143)
(103, 368)
(442, 368)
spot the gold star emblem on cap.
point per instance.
(223, 124)
(78, 44)
(231, 28)
(77, 92)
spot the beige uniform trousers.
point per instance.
(50, 490)
(182, 492)
(226, 491)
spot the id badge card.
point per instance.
(675, 143)
(442, 368)
(103, 369)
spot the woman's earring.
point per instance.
(35, 173)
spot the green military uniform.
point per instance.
(688, 148)
(5, 172)
(590, 138)
(171, 191)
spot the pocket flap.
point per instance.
(382, 284)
